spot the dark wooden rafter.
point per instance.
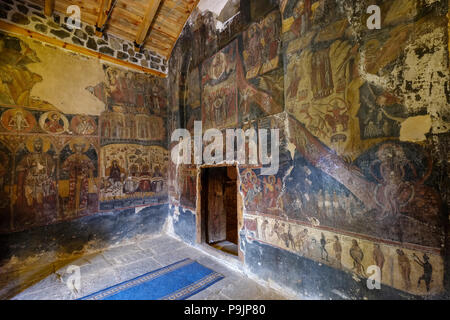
(8, 27)
(154, 25)
(103, 15)
(49, 6)
(144, 26)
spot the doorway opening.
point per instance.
(220, 208)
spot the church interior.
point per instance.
(224, 149)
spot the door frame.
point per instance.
(200, 212)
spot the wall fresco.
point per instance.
(57, 125)
(130, 92)
(414, 270)
(398, 200)
(358, 184)
(131, 128)
(35, 172)
(78, 181)
(42, 77)
(262, 45)
(51, 178)
(219, 90)
(193, 99)
(19, 120)
(132, 175)
(6, 163)
(187, 180)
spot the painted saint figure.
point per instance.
(18, 122)
(323, 243)
(272, 190)
(302, 241)
(80, 170)
(378, 257)
(54, 123)
(337, 247)
(115, 174)
(36, 189)
(83, 125)
(405, 268)
(357, 255)
(263, 229)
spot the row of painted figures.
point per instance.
(41, 183)
(31, 189)
(113, 125)
(306, 242)
(19, 120)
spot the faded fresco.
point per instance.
(406, 268)
(193, 111)
(46, 78)
(187, 181)
(132, 175)
(353, 169)
(233, 92)
(219, 89)
(18, 120)
(78, 181)
(47, 178)
(133, 160)
(74, 143)
(43, 166)
(358, 183)
(129, 92)
(262, 45)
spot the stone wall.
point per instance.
(31, 17)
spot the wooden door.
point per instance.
(216, 216)
(231, 211)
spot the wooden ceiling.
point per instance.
(154, 24)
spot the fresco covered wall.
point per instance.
(77, 137)
(363, 119)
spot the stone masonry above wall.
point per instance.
(31, 17)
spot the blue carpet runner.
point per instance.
(177, 281)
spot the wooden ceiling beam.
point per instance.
(150, 13)
(105, 7)
(49, 6)
(189, 10)
(11, 28)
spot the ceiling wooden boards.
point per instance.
(155, 26)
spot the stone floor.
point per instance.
(41, 279)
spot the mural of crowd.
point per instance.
(133, 175)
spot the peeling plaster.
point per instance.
(414, 128)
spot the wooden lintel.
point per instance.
(150, 13)
(8, 27)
